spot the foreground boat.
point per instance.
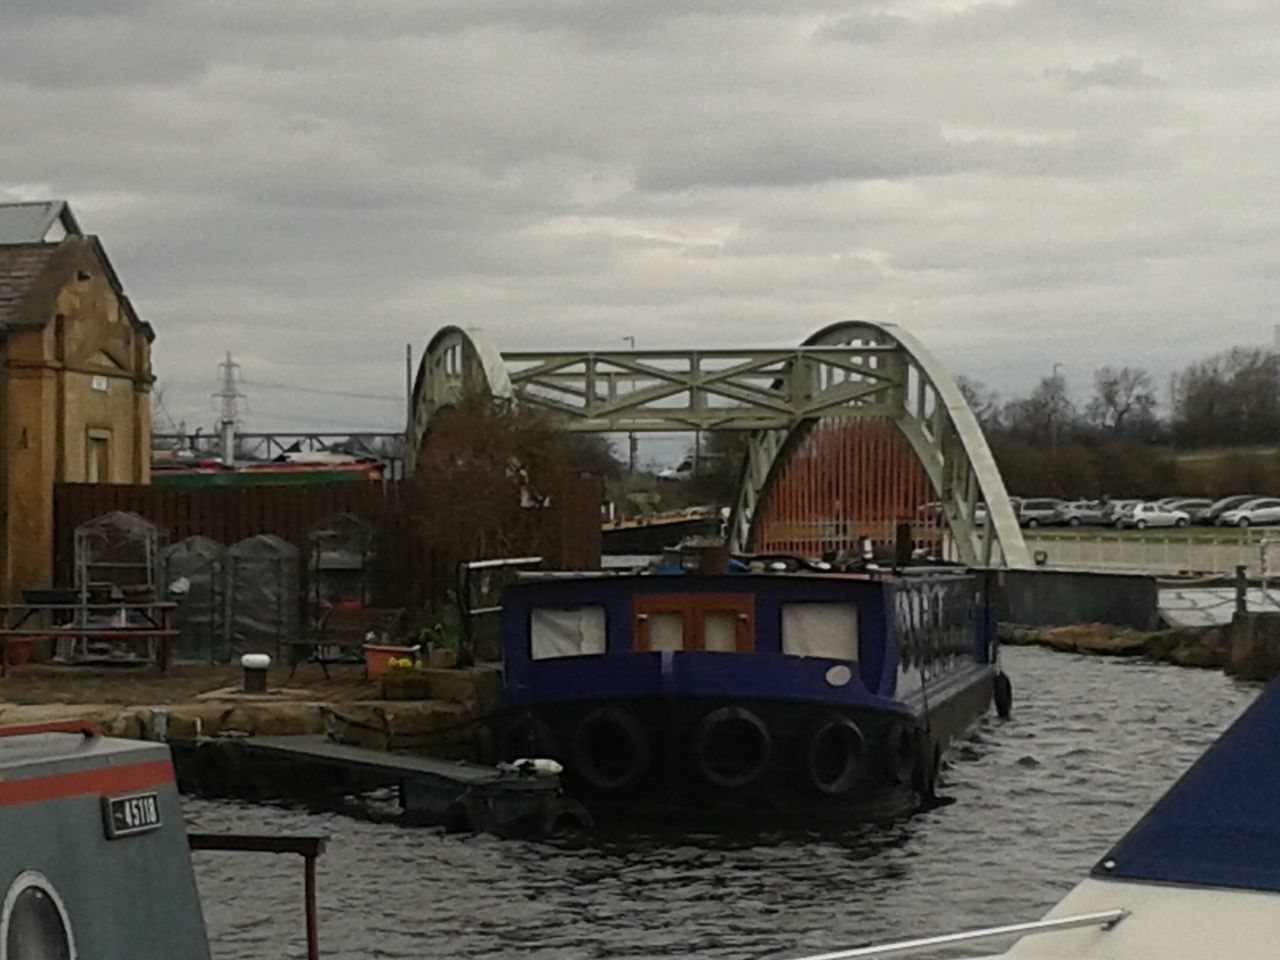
(95, 859)
(744, 693)
(1197, 878)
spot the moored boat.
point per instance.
(95, 858)
(741, 693)
(1196, 878)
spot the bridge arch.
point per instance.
(850, 376)
(456, 363)
(905, 385)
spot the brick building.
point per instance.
(75, 380)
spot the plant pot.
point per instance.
(441, 659)
(376, 656)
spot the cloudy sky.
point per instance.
(312, 184)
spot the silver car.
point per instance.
(1143, 515)
(1258, 512)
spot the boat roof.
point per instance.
(1219, 825)
(24, 755)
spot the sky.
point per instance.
(314, 184)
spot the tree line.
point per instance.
(1123, 441)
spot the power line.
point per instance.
(325, 421)
(323, 393)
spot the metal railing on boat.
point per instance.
(1105, 920)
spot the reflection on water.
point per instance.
(1092, 742)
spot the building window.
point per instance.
(820, 630)
(566, 631)
(97, 468)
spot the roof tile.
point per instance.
(20, 265)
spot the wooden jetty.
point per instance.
(457, 795)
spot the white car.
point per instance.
(682, 472)
(1143, 515)
(1256, 512)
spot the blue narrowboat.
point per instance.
(744, 693)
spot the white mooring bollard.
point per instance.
(255, 672)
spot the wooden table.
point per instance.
(150, 620)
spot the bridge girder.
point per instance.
(853, 369)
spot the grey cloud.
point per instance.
(314, 184)
(1120, 73)
(797, 154)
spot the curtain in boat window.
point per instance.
(566, 631)
(820, 630)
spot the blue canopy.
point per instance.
(1219, 825)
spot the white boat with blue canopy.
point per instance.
(1197, 878)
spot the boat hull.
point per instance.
(732, 758)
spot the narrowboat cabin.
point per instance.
(728, 694)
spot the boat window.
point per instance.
(720, 631)
(35, 925)
(716, 622)
(820, 630)
(566, 631)
(666, 631)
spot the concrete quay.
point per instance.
(204, 702)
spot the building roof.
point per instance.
(20, 266)
(40, 237)
(37, 221)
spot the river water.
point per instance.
(1092, 742)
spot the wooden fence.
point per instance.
(407, 574)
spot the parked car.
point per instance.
(683, 472)
(1039, 512)
(1194, 507)
(1220, 507)
(1143, 515)
(1254, 513)
(1114, 509)
(1089, 512)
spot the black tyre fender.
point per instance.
(1002, 695)
(704, 744)
(928, 765)
(528, 736)
(899, 753)
(565, 817)
(619, 725)
(852, 747)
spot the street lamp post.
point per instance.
(1056, 412)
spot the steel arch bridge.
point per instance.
(855, 430)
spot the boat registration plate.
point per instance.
(136, 813)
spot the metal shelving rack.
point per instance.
(117, 553)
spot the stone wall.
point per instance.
(1248, 648)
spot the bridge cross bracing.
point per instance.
(852, 371)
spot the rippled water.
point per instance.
(1038, 798)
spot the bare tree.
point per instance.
(983, 401)
(1233, 398)
(1047, 416)
(1123, 402)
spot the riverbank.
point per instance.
(1247, 648)
(200, 701)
